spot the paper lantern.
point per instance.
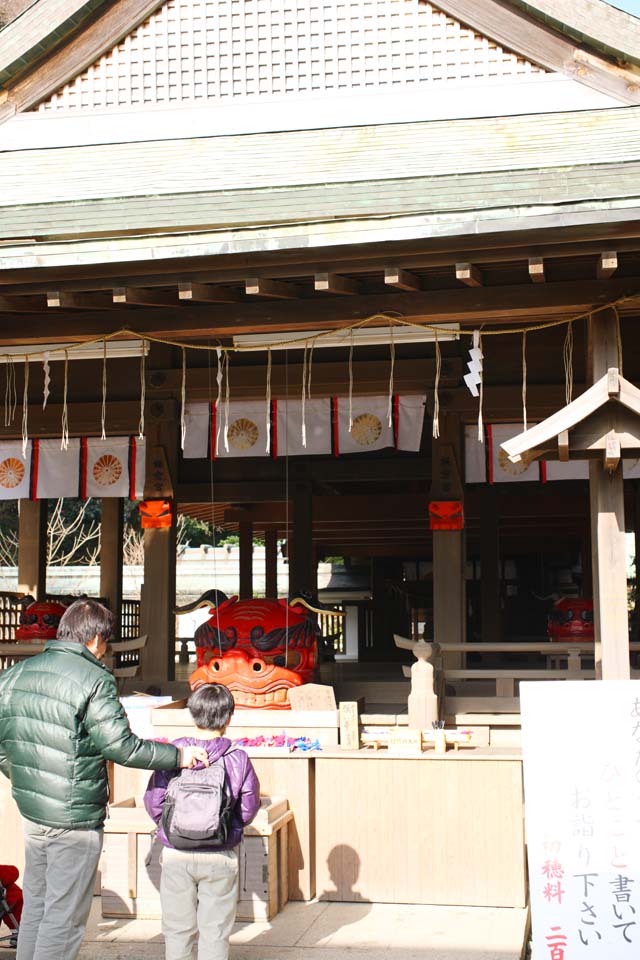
(446, 515)
(156, 514)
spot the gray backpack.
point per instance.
(198, 807)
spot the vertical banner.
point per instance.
(410, 421)
(15, 470)
(317, 420)
(106, 467)
(58, 470)
(197, 430)
(581, 753)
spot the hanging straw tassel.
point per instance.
(268, 414)
(436, 398)
(619, 340)
(64, 440)
(143, 388)
(104, 391)
(304, 395)
(392, 355)
(46, 386)
(313, 343)
(524, 379)
(568, 364)
(481, 397)
(218, 398)
(10, 395)
(351, 382)
(226, 401)
(25, 408)
(183, 400)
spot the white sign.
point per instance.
(581, 751)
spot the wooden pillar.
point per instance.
(302, 569)
(245, 528)
(271, 562)
(32, 547)
(158, 597)
(449, 551)
(111, 535)
(490, 607)
(606, 494)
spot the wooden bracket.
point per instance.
(563, 446)
(612, 452)
(613, 382)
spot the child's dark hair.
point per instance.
(211, 706)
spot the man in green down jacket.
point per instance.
(60, 720)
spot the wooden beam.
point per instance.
(468, 274)
(610, 569)
(66, 300)
(526, 302)
(271, 562)
(145, 297)
(271, 289)
(33, 304)
(401, 279)
(32, 548)
(245, 530)
(111, 535)
(333, 283)
(563, 446)
(536, 269)
(607, 265)
(191, 291)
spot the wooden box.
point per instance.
(130, 865)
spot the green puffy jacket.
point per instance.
(60, 719)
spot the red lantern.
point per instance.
(446, 515)
(156, 514)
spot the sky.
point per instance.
(631, 6)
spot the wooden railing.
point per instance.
(332, 629)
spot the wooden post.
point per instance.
(449, 552)
(245, 529)
(491, 618)
(302, 572)
(158, 598)
(271, 563)
(111, 534)
(608, 549)
(32, 547)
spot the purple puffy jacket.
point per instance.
(243, 782)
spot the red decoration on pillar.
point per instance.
(156, 514)
(446, 515)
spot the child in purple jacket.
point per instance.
(199, 888)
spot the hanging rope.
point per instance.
(304, 397)
(103, 417)
(183, 400)
(64, 440)
(524, 380)
(25, 408)
(567, 356)
(143, 389)
(309, 370)
(481, 397)
(351, 382)
(392, 356)
(436, 398)
(268, 415)
(212, 496)
(218, 398)
(619, 340)
(226, 403)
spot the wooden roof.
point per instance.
(54, 40)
